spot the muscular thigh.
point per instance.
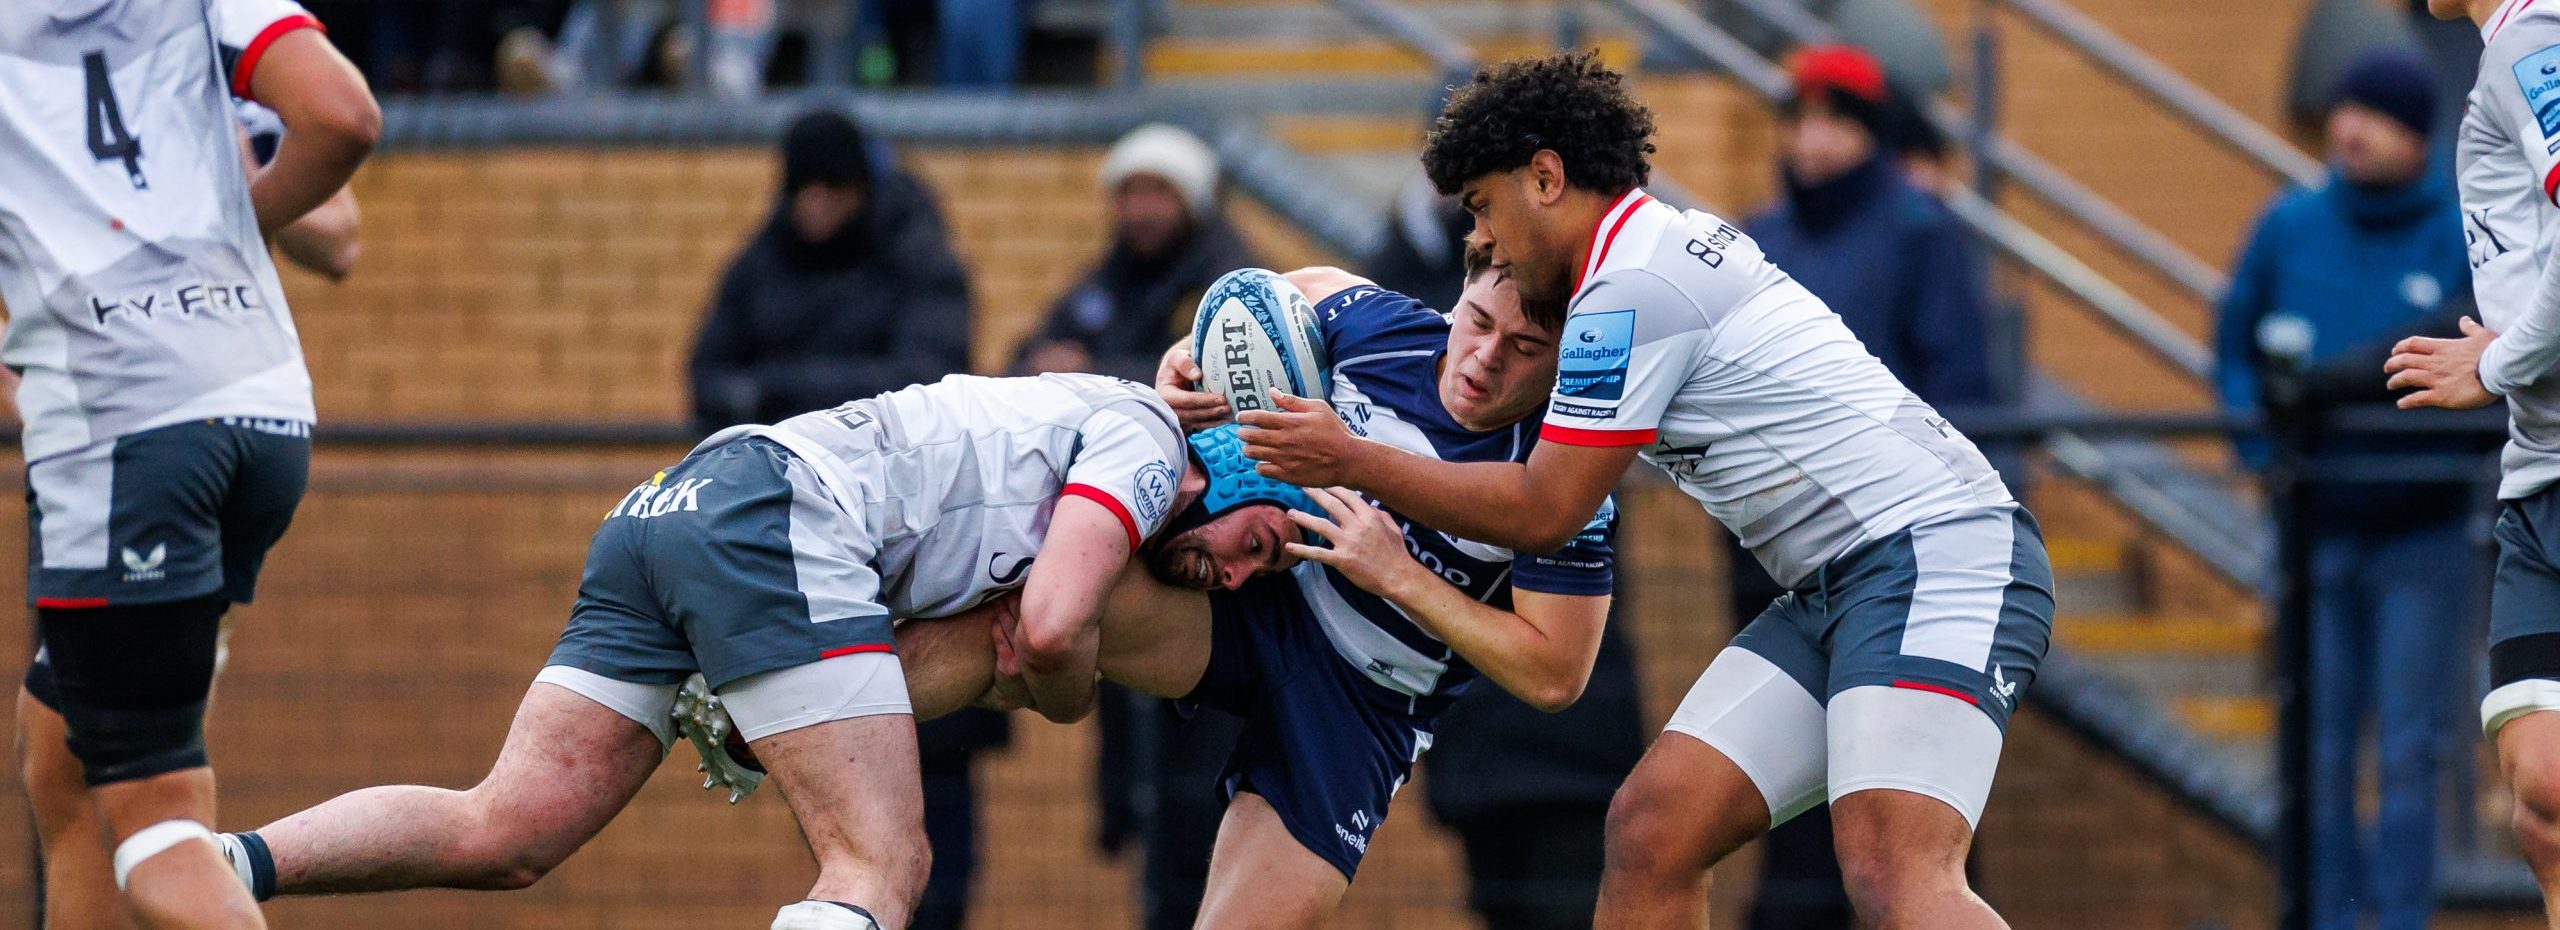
(1262, 878)
(1155, 637)
(569, 761)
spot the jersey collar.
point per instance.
(1605, 233)
(2498, 20)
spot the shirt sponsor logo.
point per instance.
(1592, 365)
(1009, 574)
(658, 498)
(2538, 76)
(1151, 491)
(203, 298)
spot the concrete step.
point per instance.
(2101, 635)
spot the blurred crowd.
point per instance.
(736, 48)
(852, 287)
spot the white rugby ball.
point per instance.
(1257, 334)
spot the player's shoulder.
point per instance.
(1364, 320)
(2521, 34)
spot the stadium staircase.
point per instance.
(1317, 104)
(2162, 649)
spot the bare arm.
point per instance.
(1061, 639)
(1533, 507)
(324, 240)
(1541, 650)
(331, 123)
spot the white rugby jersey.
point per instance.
(139, 291)
(2507, 161)
(953, 482)
(1750, 393)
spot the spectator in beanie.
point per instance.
(851, 288)
(1902, 272)
(1168, 243)
(2373, 254)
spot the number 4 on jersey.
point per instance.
(107, 135)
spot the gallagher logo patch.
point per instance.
(1592, 363)
(2538, 76)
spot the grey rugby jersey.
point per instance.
(139, 291)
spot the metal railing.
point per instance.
(2171, 90)
(1450, 56)
(2007, 159)
(2118, 309)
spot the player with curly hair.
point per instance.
(1920, 597)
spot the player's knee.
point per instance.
(1642, 840)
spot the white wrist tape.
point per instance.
(156, 839)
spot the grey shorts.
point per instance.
(734, 562)
(1960, 606)
(168, 514)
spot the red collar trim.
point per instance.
(1605, 234)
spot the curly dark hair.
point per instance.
(1567, 102)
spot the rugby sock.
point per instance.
(248, 855)
(822, 914)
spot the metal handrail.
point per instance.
(2121, 311)
(2218, 120)
(2199, 278)
(2050, 184)
(1450, 56)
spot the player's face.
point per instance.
(1510, 221)
(1225, 552)
(1500, 366)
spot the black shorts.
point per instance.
(169, 514)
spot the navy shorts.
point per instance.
(1325, 746)
(732, 563)
(1961, 606)
(2524, 599)
(168, 514)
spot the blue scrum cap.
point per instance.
(1232, 481)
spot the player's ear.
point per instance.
(1546, 177)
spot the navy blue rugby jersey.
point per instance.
(1387, 349)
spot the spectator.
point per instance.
(1501, 770)
(1902, 273)
(851, 289)
(1893, 262)
(1423, 255)
(2369, 255)
(1168, 244)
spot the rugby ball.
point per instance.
(1257, 334)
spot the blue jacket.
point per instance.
(2346, 266)
(1898, 268)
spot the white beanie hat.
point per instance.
(1167, 152)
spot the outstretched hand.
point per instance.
(2445, 372)
(1366, 544)
(1302, 443)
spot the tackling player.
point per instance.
(1921, 599)
(776, 561)
(2507, 164)
(167, 409)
